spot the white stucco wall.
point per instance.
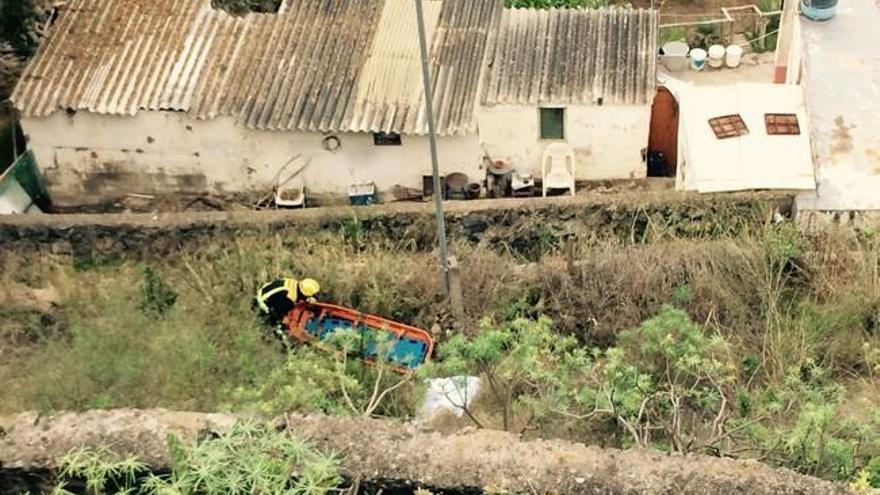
(753, 161)
(88, 157)
(608, 140)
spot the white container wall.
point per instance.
(734, 56)
(716, 56)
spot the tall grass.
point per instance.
(781, 298)
(113, 353)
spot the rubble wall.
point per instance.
(520, 225)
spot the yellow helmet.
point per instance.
(309, 287)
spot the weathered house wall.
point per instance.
(87, 157)
(607, 140)
(253, 90)
(186, 98)
(597, 64)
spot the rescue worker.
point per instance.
(277, 298)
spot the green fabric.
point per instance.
(25, 170)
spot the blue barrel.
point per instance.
(819, 10)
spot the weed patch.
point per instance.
(251, 458)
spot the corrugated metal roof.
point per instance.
(320, 65)
(389, 90)
(569, 56)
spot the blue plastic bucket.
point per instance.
(698, 59)
(819, 10)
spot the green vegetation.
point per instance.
(325, 379)
(156, 297)
(672, 34)
(249, 459)
(756, 343)
(706, 35)
(668, 385)
(17, 18)
(765, 39)
(109, 347)
(241, 7)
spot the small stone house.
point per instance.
(584, 77)
(168, 96)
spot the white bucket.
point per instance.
(734, 56)
(698, 59)
(716, 56)
(675, 56)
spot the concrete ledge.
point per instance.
(383, 449)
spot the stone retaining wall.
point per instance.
(516, 223)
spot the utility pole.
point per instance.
(432, 139)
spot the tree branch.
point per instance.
(386, 392)
(342, 385)
(464, 408)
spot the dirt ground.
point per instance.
(200, 203)
(686, 7)
(493, 461)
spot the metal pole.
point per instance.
(432, 139)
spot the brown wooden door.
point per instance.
(664, 128)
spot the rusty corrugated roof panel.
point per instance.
(320, 65)
(571, 56)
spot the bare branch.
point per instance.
(386, 392)
(464, 408)
(342, 385)
(371, 405)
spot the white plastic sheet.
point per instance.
(452, 395)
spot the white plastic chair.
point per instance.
(558, 167)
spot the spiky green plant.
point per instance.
(99, 468)
(249, 459)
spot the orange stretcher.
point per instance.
(410, 346)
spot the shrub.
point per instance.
(250, 458)
(329, 378)
(800, 425)
(512, 358)
(705, 35)
(156, 297)
(771, 307)
(672, 34)
(17, 20)
(666, 376)
(100, 469)
(547, 4)
(241, 7)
